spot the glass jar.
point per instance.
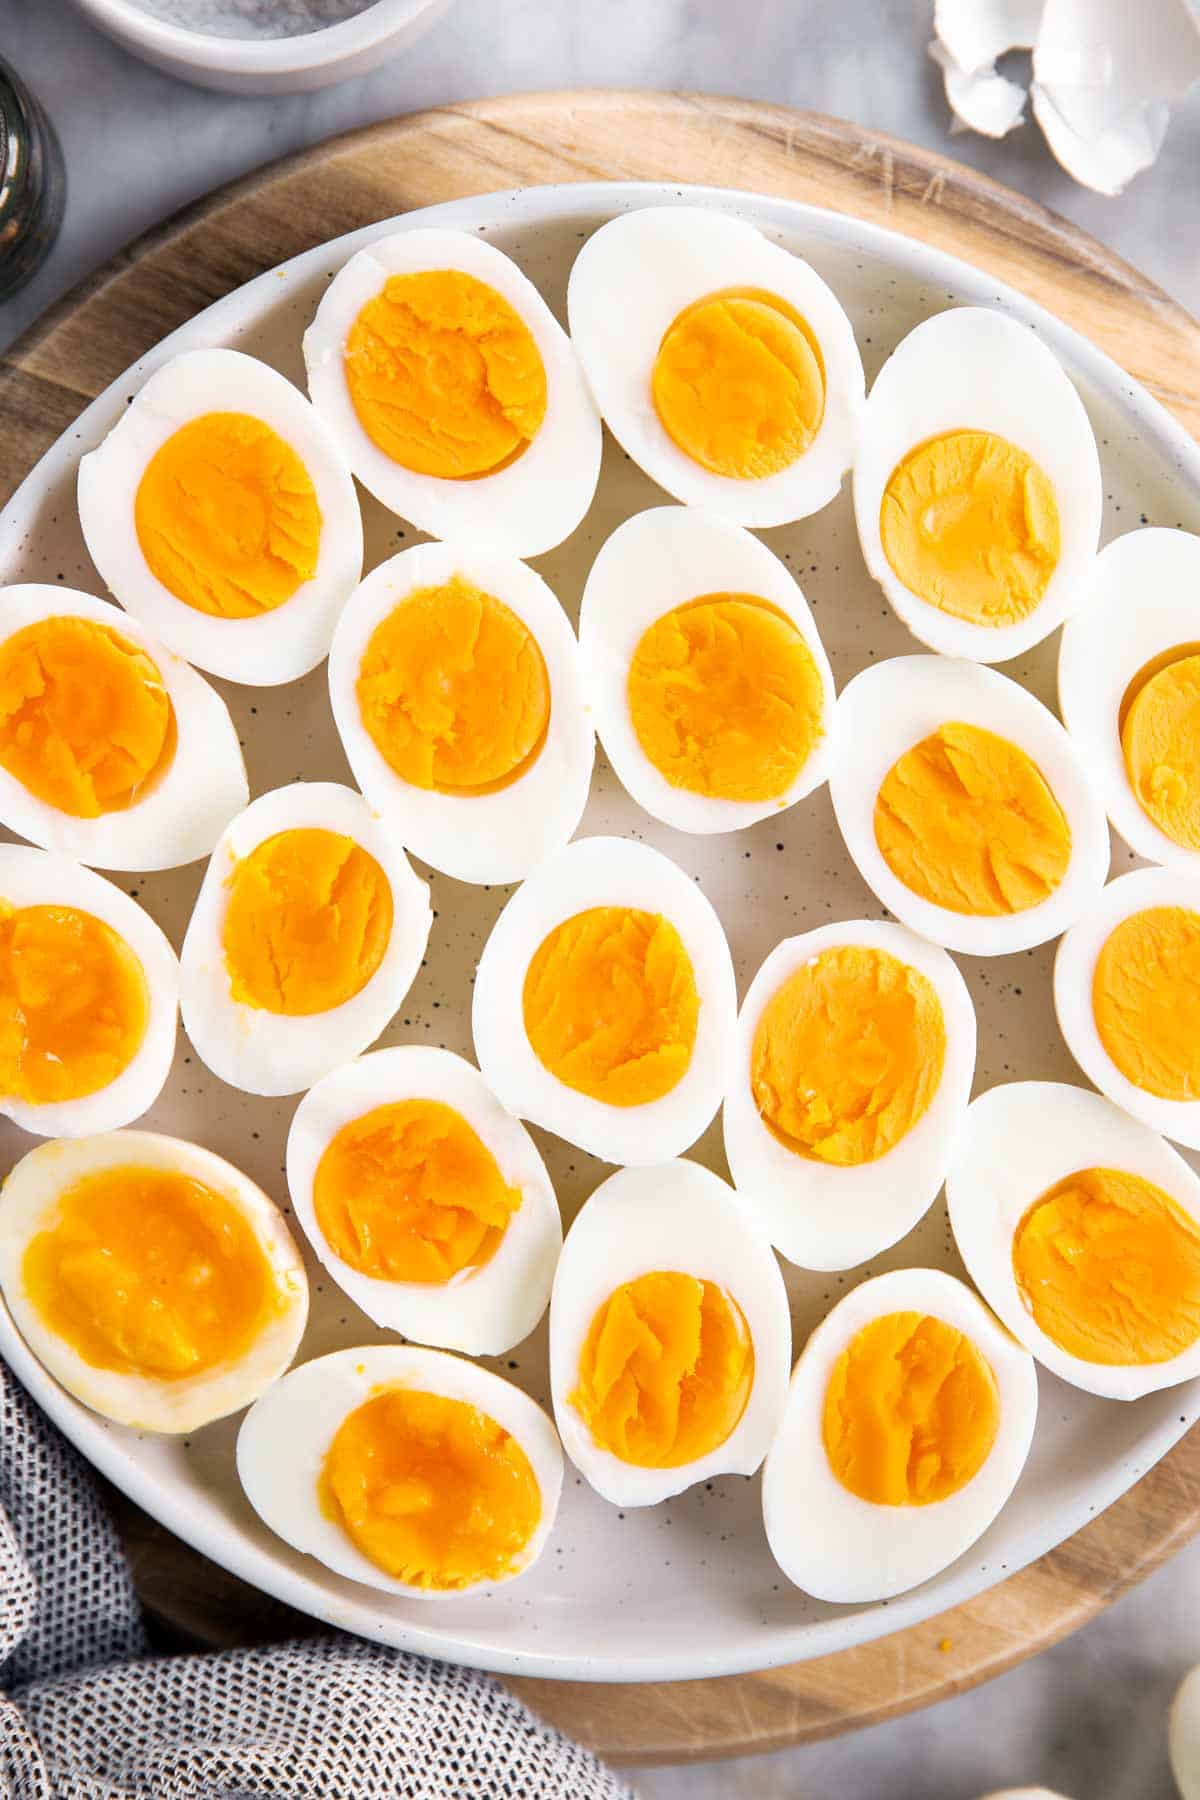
(32, 183)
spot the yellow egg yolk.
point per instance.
(85, 721)
(725, 698)
(739, 384)
(445, 375)
(665, 1371)
(847, 1055)
(410, 1192)
(227, 516)
(1160, 740)
(611, 1007)
(74, 1004)
(911, 1411)
(1146, 1000)
(431, 1490)
(307, 923)
(968, 821)
(1109, 1267)
(453, 690)
(150, 1272)
(970, 525)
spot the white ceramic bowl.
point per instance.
(281, 65)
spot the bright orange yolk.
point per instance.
(410, 1192)
(1160, 739)
(431, 1490)
(911, 1411)
(307, 924)
(1146, 1000)
(665, 1371)
(453, 690)
(611, 1007)
(725, 698)
(968, 821)
(227, 516)
(150, 1272)
(445, 375)
(1109, 1266)
(85, 721)
(739, 384)
(847, 1055)
(74, 1004)
(970, 525)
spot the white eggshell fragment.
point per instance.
(1183, 1736)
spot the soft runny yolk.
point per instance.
(307, 924)
(665, 1371)
(1160, 741)
(848, 1054)
(725, 698)
(739, 384)
(444, 375)
(227, 516)
(453, 690)
(911, 1413)
(610, 1005)
(85, 721)
(150, 1272)
(1146, 1000)
(1109, 1266)
(969, 524)
(968, 821)
(410, 1192)
(431, 1490)
(74, 1004)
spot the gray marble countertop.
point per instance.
(1087, 1718)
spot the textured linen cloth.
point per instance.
(87, 1714)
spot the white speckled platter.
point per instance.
(687, 1588)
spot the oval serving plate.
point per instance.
(687, 1588)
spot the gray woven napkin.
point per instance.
(87, 1714)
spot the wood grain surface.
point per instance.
(168, 276)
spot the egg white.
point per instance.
(891, 706)
(1020, 1140)
(495, 837)
(653, 563)
(285, 1437)
(523, 509)
(816, 1214)
(841, 1548)
(277, 1053)
(279, 645)
(630, 282)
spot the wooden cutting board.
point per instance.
(164, 279)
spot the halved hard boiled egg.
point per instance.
(710, 685)
(455, 684)
(964, 805)
(307, 933)
(1129, 691)
(909, 1420)
(722, 363)
(112, 750)
(407, 1469)
(670, 1337)
(604, 1002)
(89, 998)
(425, 1200)
(977, 486)
(1127, 994)
(851, 1072)
(221, 513)
(454, 393)
(1081, 1228)
(154, 1280)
